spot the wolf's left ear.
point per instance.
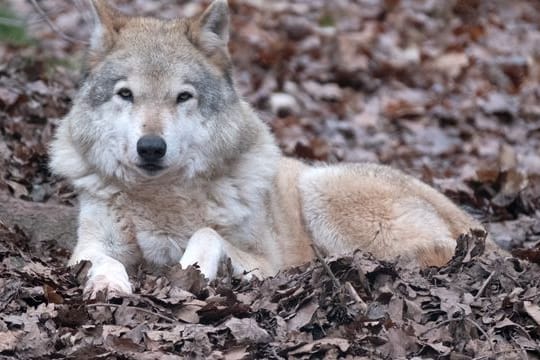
(212, 27)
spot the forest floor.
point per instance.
(447, 91)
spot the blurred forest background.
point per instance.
(445, 90)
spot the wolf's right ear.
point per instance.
(107, 23)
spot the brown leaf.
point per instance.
(188, 313)
(247, 331)
(189, 279)
(236, 353)
(398, 345)
(52, 296)
(120, 344)
(8, 97)
(450, 302)
(532, 255)
(452, 63)
(303, 315)
(322, 345)
(9, 340)
(19, 190)
(533, 310)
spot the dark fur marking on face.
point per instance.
(215, 92)
(103, 83)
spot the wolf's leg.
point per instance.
(207, 249)
(101, 243)
(379, 210)
(106, 274)
(204, 248)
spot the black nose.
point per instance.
(151, 148)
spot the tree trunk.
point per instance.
(41, 222)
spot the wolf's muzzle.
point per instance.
(151, 148)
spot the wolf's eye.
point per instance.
(125, 94)
(183, 97)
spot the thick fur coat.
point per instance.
(171, 165)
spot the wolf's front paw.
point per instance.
(204, 248)
(109, 277)
(111, 287)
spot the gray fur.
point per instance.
(101, 84)
(216, 20)
(215, 91)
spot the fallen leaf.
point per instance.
(533, 310)
(10, 339)
(303, 315)
(247, 331)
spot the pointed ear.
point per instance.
(107, 23)
(213, 27)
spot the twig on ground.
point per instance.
(488, 339)
(496, 353)
(441, 324)
(363, 280)
(529, 297)
(150, 312)
(484, 285)
(348, 286)
(474, 323)
(355, 296)
(53, 26)
(335, 281)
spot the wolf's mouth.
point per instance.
(151, 168)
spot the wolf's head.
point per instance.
(158, 99)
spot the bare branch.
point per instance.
(355, 296)
(335, 281)
(484, 285)
(53, 26)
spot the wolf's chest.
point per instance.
(162, 224)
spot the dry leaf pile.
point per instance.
(478, 306)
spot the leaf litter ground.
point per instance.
(447, 91)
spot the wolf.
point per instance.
(172, 166)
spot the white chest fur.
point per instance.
(161, 220)
(164, 219)
(160, 248)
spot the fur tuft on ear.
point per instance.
(213, 27)
(107, 23)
